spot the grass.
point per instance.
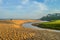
(51, 25)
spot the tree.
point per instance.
(49, 17)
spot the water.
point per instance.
(28, 25)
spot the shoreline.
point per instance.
(10, 31)
(38, 28)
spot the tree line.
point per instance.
(49, 17)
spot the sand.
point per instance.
(13, 30)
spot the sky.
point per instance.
(28, 9)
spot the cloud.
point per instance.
(1, 1)
(27, 9)
(56, 11)
(25, 1)
(46, 1)
(33, 5)
(19, 7)
(41, 6)
(32, 9)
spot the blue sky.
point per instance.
(28, 9)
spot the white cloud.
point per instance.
(34, 9)
(1, 1)
(41, 6)
(25, 1)
(19, 7)
(56, 11)
(50, 1)
(33, 5)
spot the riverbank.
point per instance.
(49, 25)
(29, 25)
(13, 30)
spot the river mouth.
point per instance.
(29, 25)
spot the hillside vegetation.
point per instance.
(49, 17)
(51, 25)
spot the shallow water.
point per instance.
(29, 25)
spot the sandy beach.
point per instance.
(13, 30)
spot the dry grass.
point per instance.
(13, 30)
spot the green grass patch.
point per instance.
(51, 25)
